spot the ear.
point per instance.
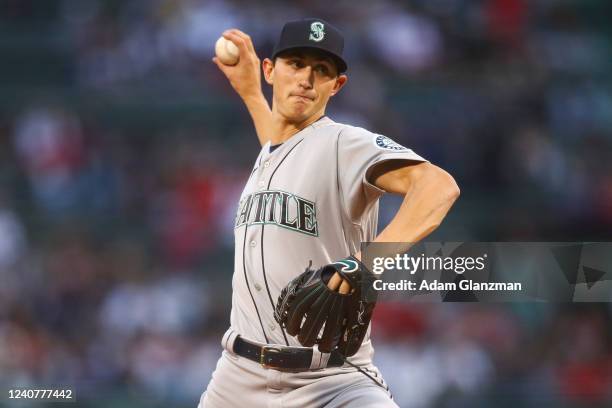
(268, 70)
(340, 82)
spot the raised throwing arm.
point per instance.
(245, 78)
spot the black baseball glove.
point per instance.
(306, 305)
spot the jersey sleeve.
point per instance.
(358, 152)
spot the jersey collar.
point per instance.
(322, 121)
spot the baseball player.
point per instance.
(311, 199)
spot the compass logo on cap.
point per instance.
(316, 31)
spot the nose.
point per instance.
(306, 77)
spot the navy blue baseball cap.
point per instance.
(312, 33)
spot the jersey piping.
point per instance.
(246, 279)
(263, 265)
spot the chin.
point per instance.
(298, 115)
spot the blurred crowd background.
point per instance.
(123, 150)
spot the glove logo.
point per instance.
(316, 31)
(383, 142)
(347, 265)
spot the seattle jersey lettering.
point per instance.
(280, 208)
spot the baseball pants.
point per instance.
(239, 382)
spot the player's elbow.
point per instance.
(450, 187)
(443, 191)
(445, 185)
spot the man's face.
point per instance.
(303, 81)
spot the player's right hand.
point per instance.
(245, 76)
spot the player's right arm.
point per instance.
(245, 78)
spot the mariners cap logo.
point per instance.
(316, 31)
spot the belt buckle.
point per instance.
(262, 356)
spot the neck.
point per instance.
(284, 128)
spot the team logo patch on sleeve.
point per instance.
(383, 142)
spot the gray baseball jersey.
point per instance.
(307, 200)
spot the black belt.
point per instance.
(281, 357)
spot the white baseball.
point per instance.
(226, 51)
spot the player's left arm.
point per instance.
(429, 193)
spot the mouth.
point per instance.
(303, 98)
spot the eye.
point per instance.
(322, 69)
